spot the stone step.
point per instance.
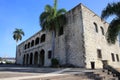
(103, 74)
(92, 74)
(106, 75)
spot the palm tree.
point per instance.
(52, 20)
(114, 27)
(17, 35)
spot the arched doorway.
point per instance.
(27, 59)
(31, 58)
(36, 58)
(42, 56)
(24, 60)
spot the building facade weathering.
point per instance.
(81, 42)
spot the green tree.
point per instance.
(0, 59)
(52, 20)
(17, 35)
(114, 27)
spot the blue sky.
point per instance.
(24, 14)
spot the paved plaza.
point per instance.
(16, 72)
(13, 72)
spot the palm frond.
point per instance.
(113, 31)
(55, 4)
(55, 8)
(17, 34)
(111, 9)
(51, 18)
(48, 8)
(14, 37)
(61, 11)
(43, 18)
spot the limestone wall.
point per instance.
(68, 47)
(46, 46)
(94, 40)
(19, 54)
(79, 43)
(74, 38)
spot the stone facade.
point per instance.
(82, 43)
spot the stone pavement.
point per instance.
(8, 72)
(63, 77)
(36, 73)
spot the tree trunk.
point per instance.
(16, 54)
(53, 43)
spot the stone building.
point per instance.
(81, 42)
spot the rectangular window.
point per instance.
(61, 31)
(113, 57)
(99, 54)
(49, 54)
(117, 57)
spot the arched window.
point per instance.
(29, 45)
(37, 41)
(42, 38)
(102, 30)
(32, 43)
(96, 27)
(25, 46)
(113, 57)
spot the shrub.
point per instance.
(55, 62)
